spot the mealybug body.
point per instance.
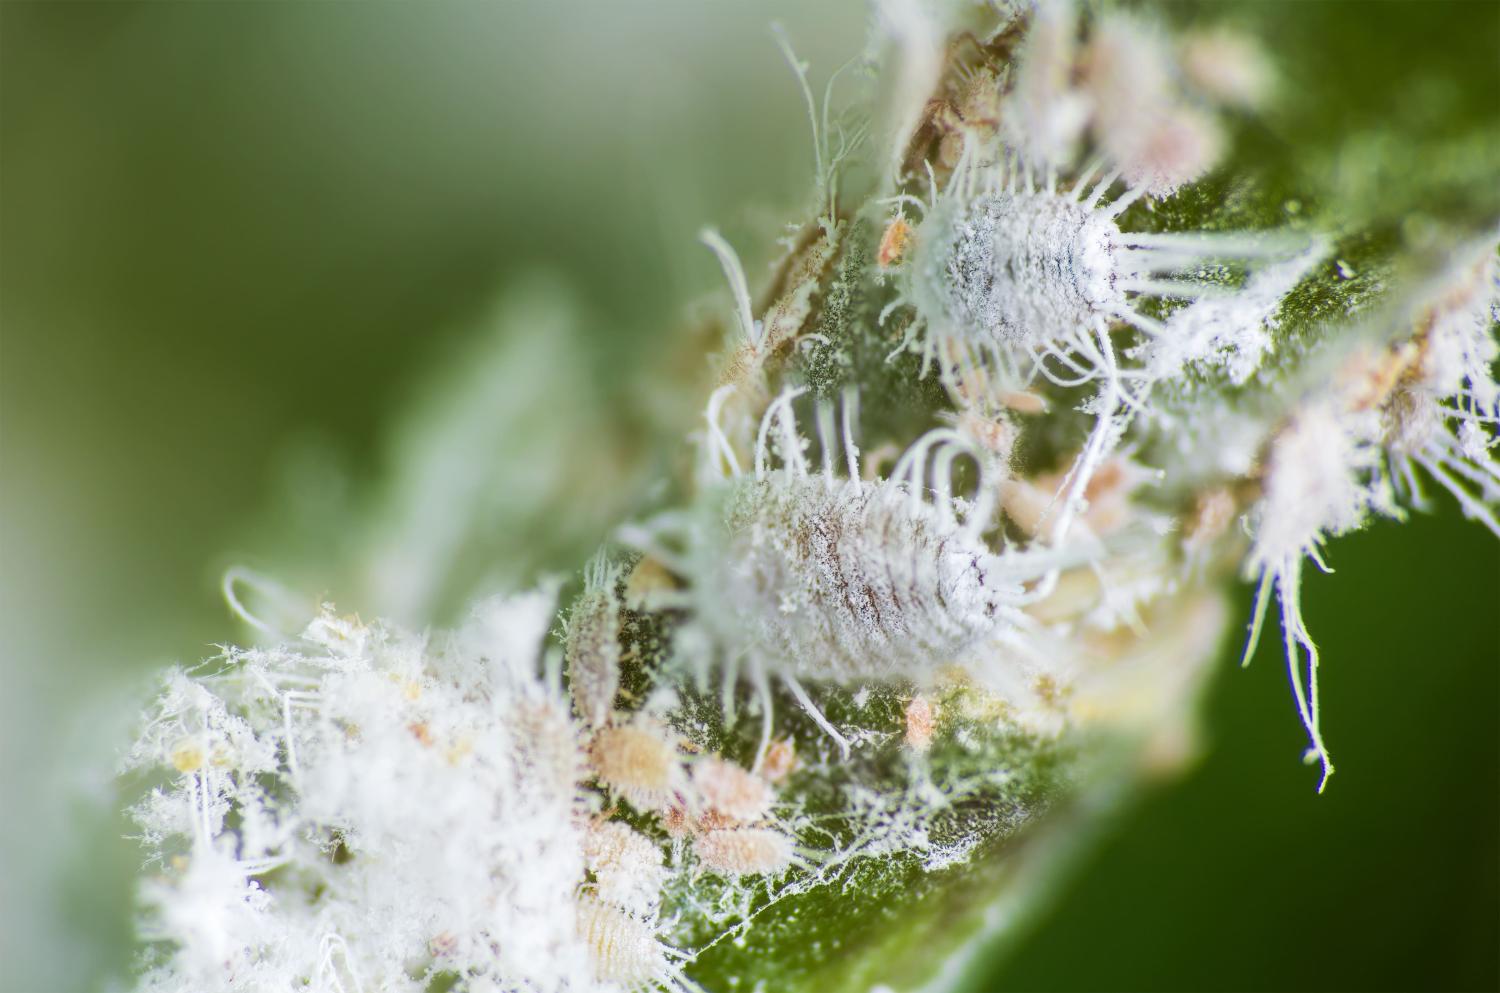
(752, 851)
(639, 763)
(592, 636)
(731, 792)
(627, 866)
(1022, 267)
(624, 950)
(841, 578)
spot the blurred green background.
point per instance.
(238, 241)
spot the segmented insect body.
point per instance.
(624, 950)
(1028, 282)
(638, 762)
(627, 866)
(592, 635)
(1026, 268)
(731, 792)
(848, 579)
(920, 723)
(744, 851)
(1023, 270)
(806, 574)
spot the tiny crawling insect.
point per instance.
(779, 761)
(624, 950)
(1030, 282)
(1021, 265)
(592, 636)
(921, 721)
(839, 578)
(639, 762)
(730, 791)
(893, 242)
(627, 866)
(744, 851)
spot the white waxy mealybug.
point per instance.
(627, 866)
(735, 793)
(1031, 281)
(836, 578)
(1020, 262)
(624, 950)
(778, 761)
(745, 851)
(1026, 272)
(639, 763)
(921, 721)
(592, 635)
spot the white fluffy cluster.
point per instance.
(1426, 399)
(1444, 416)
(364, 808)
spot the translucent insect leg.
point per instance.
(905, 199)
(735, 274)
(1296, 640)
(780, 411)
(1257, 615)
(1101, 189)
(273, 593)
(850, 416)
(1127, 198)
(826, 438)
(1139, 321)
(718, 440)
(1082, 182)
(1094, 449)
(762, 685)
(1175, 249)
(1171, 289)
(816, 714)
(1438, 469)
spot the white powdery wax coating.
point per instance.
(1027, 268)
(847, 579)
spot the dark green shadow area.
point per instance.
(1242, 878)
